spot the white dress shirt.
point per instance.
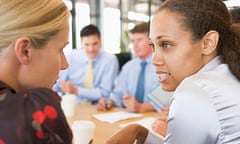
(205, 108)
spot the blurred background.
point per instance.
(114, 18)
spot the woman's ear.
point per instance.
(23, 49)
(210, 42)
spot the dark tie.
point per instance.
(140, 85)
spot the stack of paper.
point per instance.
(112, 117)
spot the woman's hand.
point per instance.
(160, 124)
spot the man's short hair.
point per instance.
(141, 28)
(90, 30)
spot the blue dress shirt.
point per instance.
(127, 80)
(105, 71)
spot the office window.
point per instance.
(111, 30)
(82, 19)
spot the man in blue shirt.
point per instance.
(125, 90)
(105, 69)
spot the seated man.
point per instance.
(130, 91)
(91, 71)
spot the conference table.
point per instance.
(103, 130)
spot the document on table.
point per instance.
(112, 117)
(146, 122)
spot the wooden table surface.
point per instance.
(103, 130)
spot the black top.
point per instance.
(32, 117)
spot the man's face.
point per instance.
(141, 46)
(91, 44)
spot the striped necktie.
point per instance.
(139, 94)
(89, 75)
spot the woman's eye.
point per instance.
(166, 45)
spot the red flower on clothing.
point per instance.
(25, 95)
(39, 116)
(2, 142)
(40, 134)
(50, 112)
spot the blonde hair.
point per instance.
(38, 19)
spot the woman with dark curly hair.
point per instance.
(196, 55)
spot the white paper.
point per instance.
(112, 117)
(146, 122)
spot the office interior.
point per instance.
(114, 18)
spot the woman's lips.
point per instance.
(163, 76)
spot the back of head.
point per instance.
(38, 19)
(90, 30)
(141, 28)
(201, 16)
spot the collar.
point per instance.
(211, 64)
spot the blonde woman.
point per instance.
(33, 34)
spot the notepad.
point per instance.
(112, 117)
(160, 98)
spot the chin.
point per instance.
(92, 56)
(168, 88)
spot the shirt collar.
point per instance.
(211, 65)
(148, 59)
(95, 59)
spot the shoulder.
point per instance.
(199, 93)
(37, 95)
(107, 59)
(204, 99)
(107, 56)
(194, 99)
(216, 78)
(43, 95)
(77, 52)
(130, 68)
(131, 64)
(37, 109)
(188, 91)
(77, 56)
